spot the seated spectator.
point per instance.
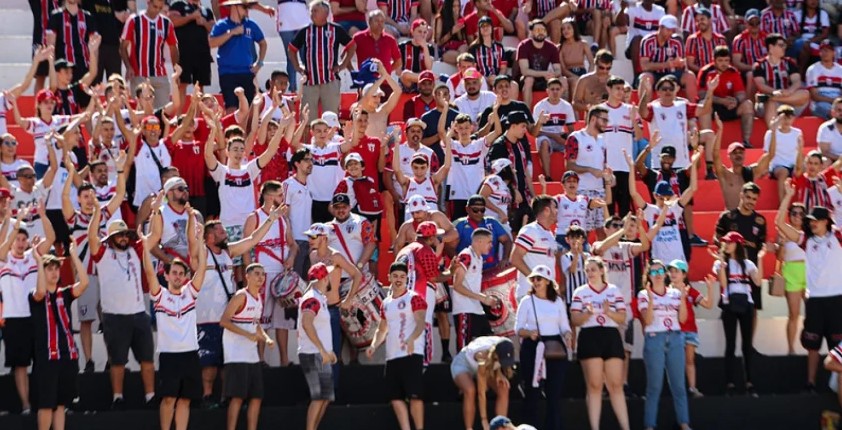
(749, 48)
(552, 12)
(538, 60)
(349, 14)
(824, 79)
(778, 81)
(492, 58)
(416, 55)
(399, 15)
(778, 19)
(375, 43)
(641, 19)
(592, 88)
(729, 99)
(423, 102)
(485, 8)
(661, 54)
(474, 101)
(814, 27)
(465, 61)
(553, 135)
(700, 45)
(830, 133)
(790, 143)
(597, 18)
(718, 19)
(574, 53)
(450, 35)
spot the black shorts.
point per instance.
(470, 327)
(18, 336)
(822, 320)
(538, 84)
(724, 113)
(194, 69)
(179, 375)
(320, 211)
(405, 378)
(600, 342)
(55, 383)
(210, 344)
(445, 305)
(229, 83)
(124, 332)
(242, 381)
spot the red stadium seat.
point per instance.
(809, 126)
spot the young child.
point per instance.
(573, 262)
(572, 207)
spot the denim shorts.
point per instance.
(460, 365)
(692, 338)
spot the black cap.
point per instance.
(476, 199)
(63, 64)
(704, 11)
(340, 198)
(485, 20)
(501, 78)
(505, 351)
(517, 117)
(819, 213)
(668, 150)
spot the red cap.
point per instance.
(150, 118)
(428, 229)
(44, 95)
(5, 193)
(736, 146)
(426, 75)
(733, 237)
(344, 114)
(317, 272)
(826, 44)
(417, 23)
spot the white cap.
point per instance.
(317, 229)
(417, 203)
(368, 87)
(353, 157)
(331, 119)
(543, 272)
(172, 183)
(499, 164)
(669, 21)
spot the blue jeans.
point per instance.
(821, 109)
(336, 340)
(286, 37)
(553, 387)
(661, 351)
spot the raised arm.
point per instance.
(151, 277)
(116, 200)
(241, 247)
(687, 195)
(67, 209)
(200, 269)
(81, 272)
(274, 143)
(786, 229)
(9, 240)
(93, 231)
(717, 146)
(635, 196)
(49, 238)
(210, 145)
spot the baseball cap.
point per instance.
(752, 13)
(420, 156)
(63, 64)
(172, 183)
(417, 203)
(664, 189)
(785, 109)
(426, 75)
(668, 21)
(428, 229)
(417, 23)
(505, 353)
(44, 95)
(499, 423)
(701, 10)
(501, 78)
(150, 118)
(471, 73)
(368, 87)
(340, 199)
(819, 213)
(517, 117)
(668, 150)
(680, 265)
(412, 122)
(317, 229)
(736, 146)
(331, 118)
(317, 272)
(476, 199)
(354, 156)
(542, 271)
(735, 237)
(5, 193)
(485, 20)
(826, 44)
(569, 175)
(499, 164)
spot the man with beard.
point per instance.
(731, 180)
(152, 157)
(423, 102)
(661, 54)
(700, 45)
(538, 61)
(78, 222)
(830, 133)
(125, 323)
(352, 235)
(729, 99)
(585, 153)
(297, 197)
(420, 211)
(475, 100)
(168, 224)
(218, 288)
(592, 87)
(476, 220)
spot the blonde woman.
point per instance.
(486, 362)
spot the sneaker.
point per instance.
(751, 391)
(89, 366)
(730, 390)
(695, 393)
(152, 403)
(810, 388)
(747, 144)
(209, 404)
(26, 412)
(118, 404)
(697, 241)
(710, 176)
(446, 358)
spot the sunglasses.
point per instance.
(151, 127)
(796, 213)
(181, 188)
(478, 209)
(657, 272)
(617, 225)
(670, 88)
(26, 176)
(10, 142)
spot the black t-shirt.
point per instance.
(505, 110)
(192, 36)
(752, 227)
(521, 153)
(653, 176)
(52, 320)
(108, 26)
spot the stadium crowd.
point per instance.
(230, 222)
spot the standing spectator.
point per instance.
(352, 235)
(193, 22)
(778, 19)
(401, 328)
(585, 154)
(293, 15)
(299, 200)
(55, 368)
(490, 360)
(619, 135)
(398, 14)
(678, 273)
(699, 46)
(475, 100)
(235, 37)
(690, 17)
(535, 244)
(729, 99)
(642, 20)
(778, 81)
(73, 95)
(749, 48)
(109, 16)
(539, 61)
(7, 97)
(142, 50)
(476, 219)
(553, 134)
(662, 54)
(468, 158)
(731, 180)
(375, 43)
(737, 277)
(70, 30)
(824, 79)
(513, 145)
(830, 132)
(417, 55)
(541, 318)
(424, 101)
(349, 14)
(663, 309)
(791, 257)
(41, 11)
(506, 92)
(467, 296)
(789, 147)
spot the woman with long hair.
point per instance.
(492, 58)
(736, 275)
(573, 53)
(499, 191)
(662, 310)
(793, 269)
(813, 27)
(599, 309)
(486, 362)
(541, 319)
(450, 34)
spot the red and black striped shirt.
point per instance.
(148, 37)
(52, 324)
(319, 47)
(72, 32)
(413, 57)
(786, 24)
(701, 49)
(41, 10)
(488, 58)
(661, 53)
(777, 76)
(399, 10)
(753, 49)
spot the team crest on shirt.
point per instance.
(401, 304)
(680, 115)
(600, 319)
(349, 228)
(663, 116)
(667, 322)
(729, 85)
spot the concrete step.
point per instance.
(15, 21)
(16, 49)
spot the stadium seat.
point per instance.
(510, 42)
(442, 68)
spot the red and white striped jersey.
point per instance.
(176, 318)
(78, 224)
(413, 56)
(148, 37)
(643, 22)
(488, 57)
(586, 295)
(718, 20)
(656, 52)
(237, 348)
(752, 49)
(786, 23)
(399, 10)
(701, 49)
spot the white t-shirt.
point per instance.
(828, 82)
(18, 278)
(482, 344)
(467, 168)
(666, 246)
(587, 151)
(399, 315)
(405, 154)
(38, 129)
(560, 114)
(472, 263)
(540, 246)
(552, 316)
(665, 310)
(292, 16)
(316, 303)
(236, 192)
(212, 298)
(786, 147)
(20, 198)
(120, 280)
(824, 273)
(829, 133)
(642, 22)
(474, 108)
(104, 195)
(10, 171)
(327, 171)
(54, 192)
(176, 317)
(619, 262)
(457, 90)
(671, 121)
(811, 25)
(619, 135)
(739, 282)
(585, 295)
(297, 197)
(571, 212)
(148, 176)
(500, 195)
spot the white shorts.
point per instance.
(88, 303)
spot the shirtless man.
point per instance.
(731, 179)
(406, 233)
(592, 87)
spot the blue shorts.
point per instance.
(772, 169)
(210, 344)
(460, 365)
(692, 338)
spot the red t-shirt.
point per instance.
(539, 58)
(416, 107)
(353, 16)
(189, 158)
(278, 168)
(369, 149)
(694, 297)
(385, 48)
(730, 81)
